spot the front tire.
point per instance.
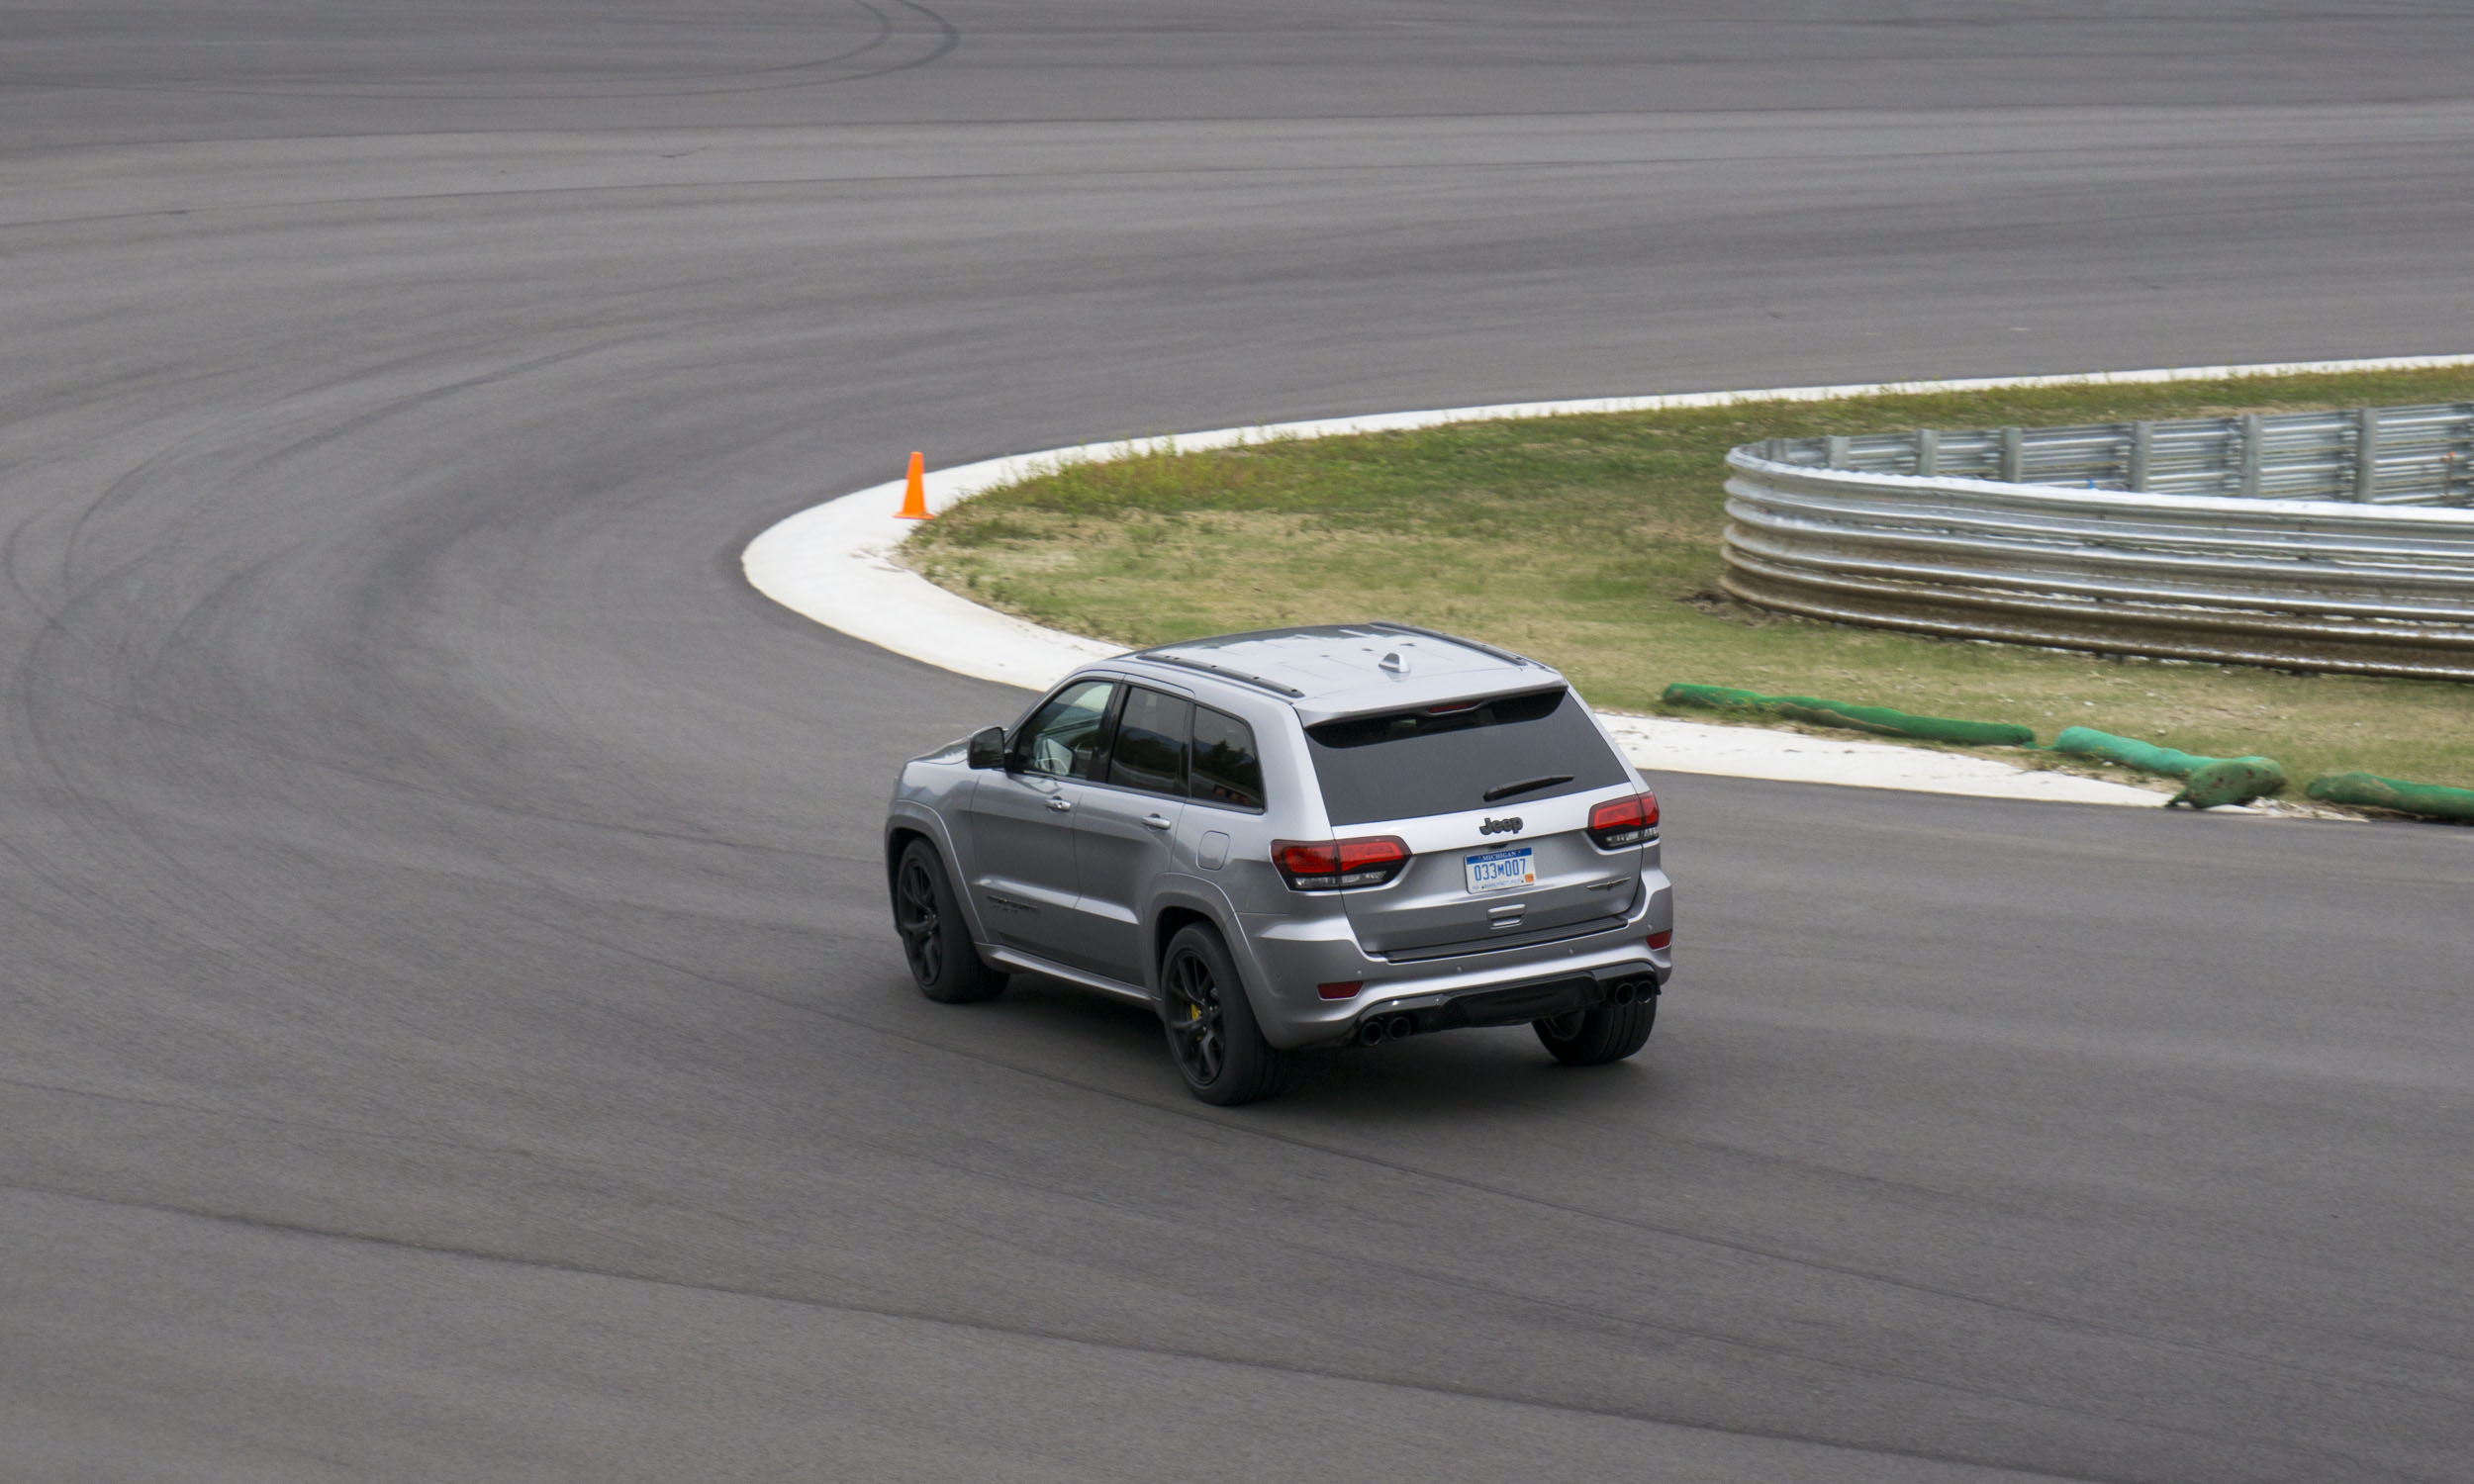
(1213, 1037)
(935, 941)
(1593, 1038)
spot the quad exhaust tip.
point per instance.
(1381, 1028)
(1638, 992)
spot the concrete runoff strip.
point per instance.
(834, 563)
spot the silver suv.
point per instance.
(1295, 837)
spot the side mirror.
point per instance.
(988, 748)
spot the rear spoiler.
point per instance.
(1441, 692)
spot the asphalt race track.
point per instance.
(451, 1029)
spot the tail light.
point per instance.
(1619, 823)
(1339, 864)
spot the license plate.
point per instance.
(1501, 869)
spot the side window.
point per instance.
(1063, 736)
(1227, 770)
(1150, 748)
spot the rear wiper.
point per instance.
(1526, 786)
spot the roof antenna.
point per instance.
(1394, 663)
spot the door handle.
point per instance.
(1060, 805)
(1157, 821)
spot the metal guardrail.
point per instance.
(2417, 455)
(2307, 541)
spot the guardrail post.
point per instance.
(2142, 448)
(1928, 451)
(2253, 437)
(2012, 439)
(2366, 454)
(1835, 451)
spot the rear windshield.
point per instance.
(1444, 760)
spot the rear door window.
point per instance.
(1445, 760)
(1149, 752)
(1227, 771)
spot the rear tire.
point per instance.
(1593, 1038)
(935, 941)
(1213, 1037)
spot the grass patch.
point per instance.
(1592, 542)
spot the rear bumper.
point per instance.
(1516, 1004)
(1287, 958)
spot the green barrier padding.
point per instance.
(1879, 720)
(1891, 723)
(2210, 782)
(1713, 697)
(2432, 800)
(2229, 780)
(2088, 742)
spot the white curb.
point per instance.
(834, 563)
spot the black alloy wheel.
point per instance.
(916, 918)
(1219, 1048)
(1195, 1026)
(936, 942)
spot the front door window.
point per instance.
(1062, 738)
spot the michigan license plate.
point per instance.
(1501, 869)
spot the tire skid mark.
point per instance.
(1052, 1335)
(2062, 1322)
(947, 36)
(96, 815)
(2065, 1322)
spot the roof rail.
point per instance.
(1505, 655)
(1222, 671)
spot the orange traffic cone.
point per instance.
(915, 492)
